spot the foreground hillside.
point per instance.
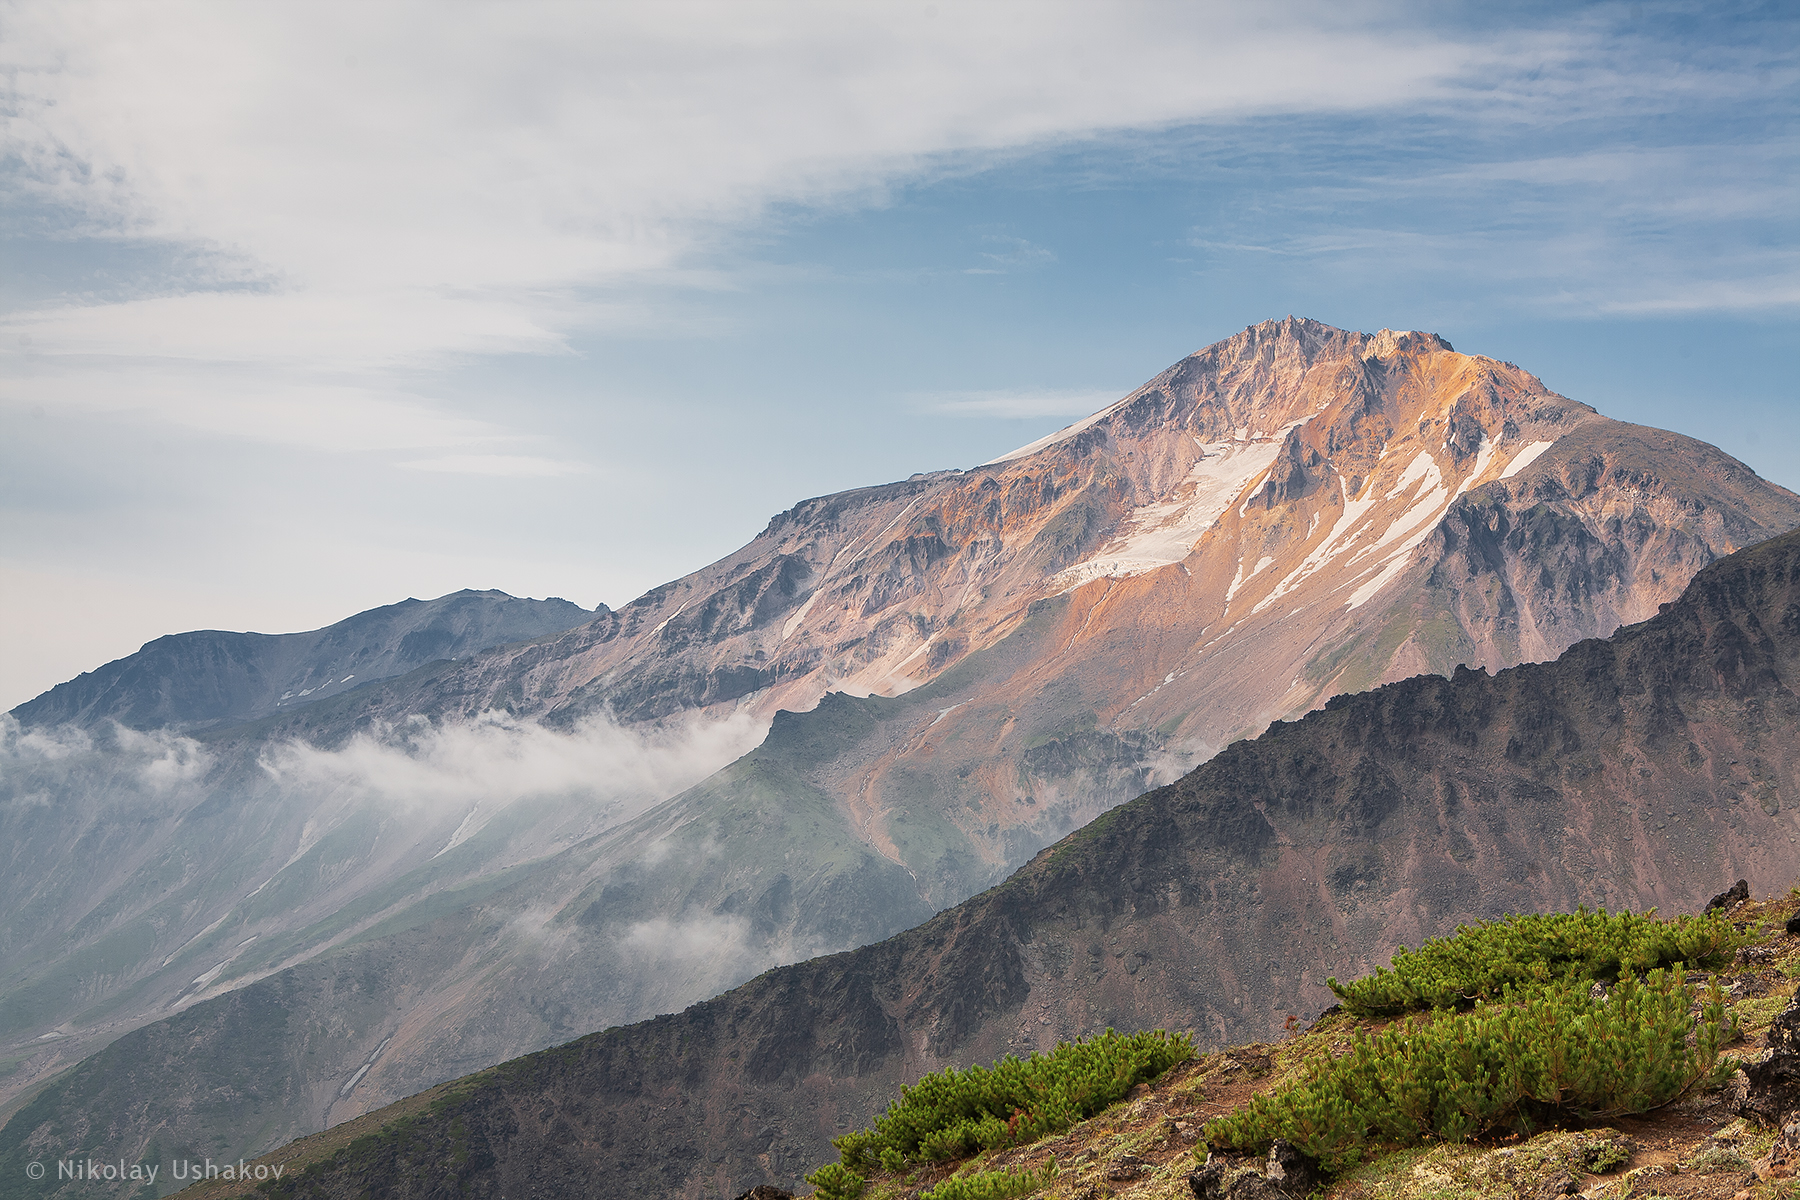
(1632, 772)
(1695, 1133)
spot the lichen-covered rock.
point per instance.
(1287, 1175)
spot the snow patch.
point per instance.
(658, 629)
(1341, 538)
(793, 622)
(1484, 458)
(1525, 458)
(1425, 508)
(464, 831)
(1430, 506)
(1423, 466)
(1164, 531)
(1241, 579)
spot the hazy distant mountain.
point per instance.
(1640, 770)
(191, 681)
(987, 658)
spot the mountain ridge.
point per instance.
(209, 678)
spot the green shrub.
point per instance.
(834, 1181)
(1532, 1054)
(1480, 961)
(954, 1114)
(1601, 1157)
(993, 1185)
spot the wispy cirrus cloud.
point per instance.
(377, 193)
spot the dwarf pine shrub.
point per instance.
(954, 1114)
(1533, 1053)
(834, 1181)
(1480, 961)
(993, 1185)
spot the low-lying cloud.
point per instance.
(188, 839)
(500, 758)
(41, 765)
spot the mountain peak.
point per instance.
(1386, 343)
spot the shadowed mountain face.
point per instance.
(987, 659)
(193, 681)
(1634, 771)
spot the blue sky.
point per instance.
(303, 311)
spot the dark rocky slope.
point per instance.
(208, 678)
(1634, 771)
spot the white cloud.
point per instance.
(405, 184)
(1018, 254)
(497, 759)
(67, 767)
(1603, 231)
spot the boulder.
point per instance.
(1731, 897)
(1773, 1092)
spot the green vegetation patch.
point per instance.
(955, 1114)
(1528, 1057)
(993, 1185)
(1478, 962)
